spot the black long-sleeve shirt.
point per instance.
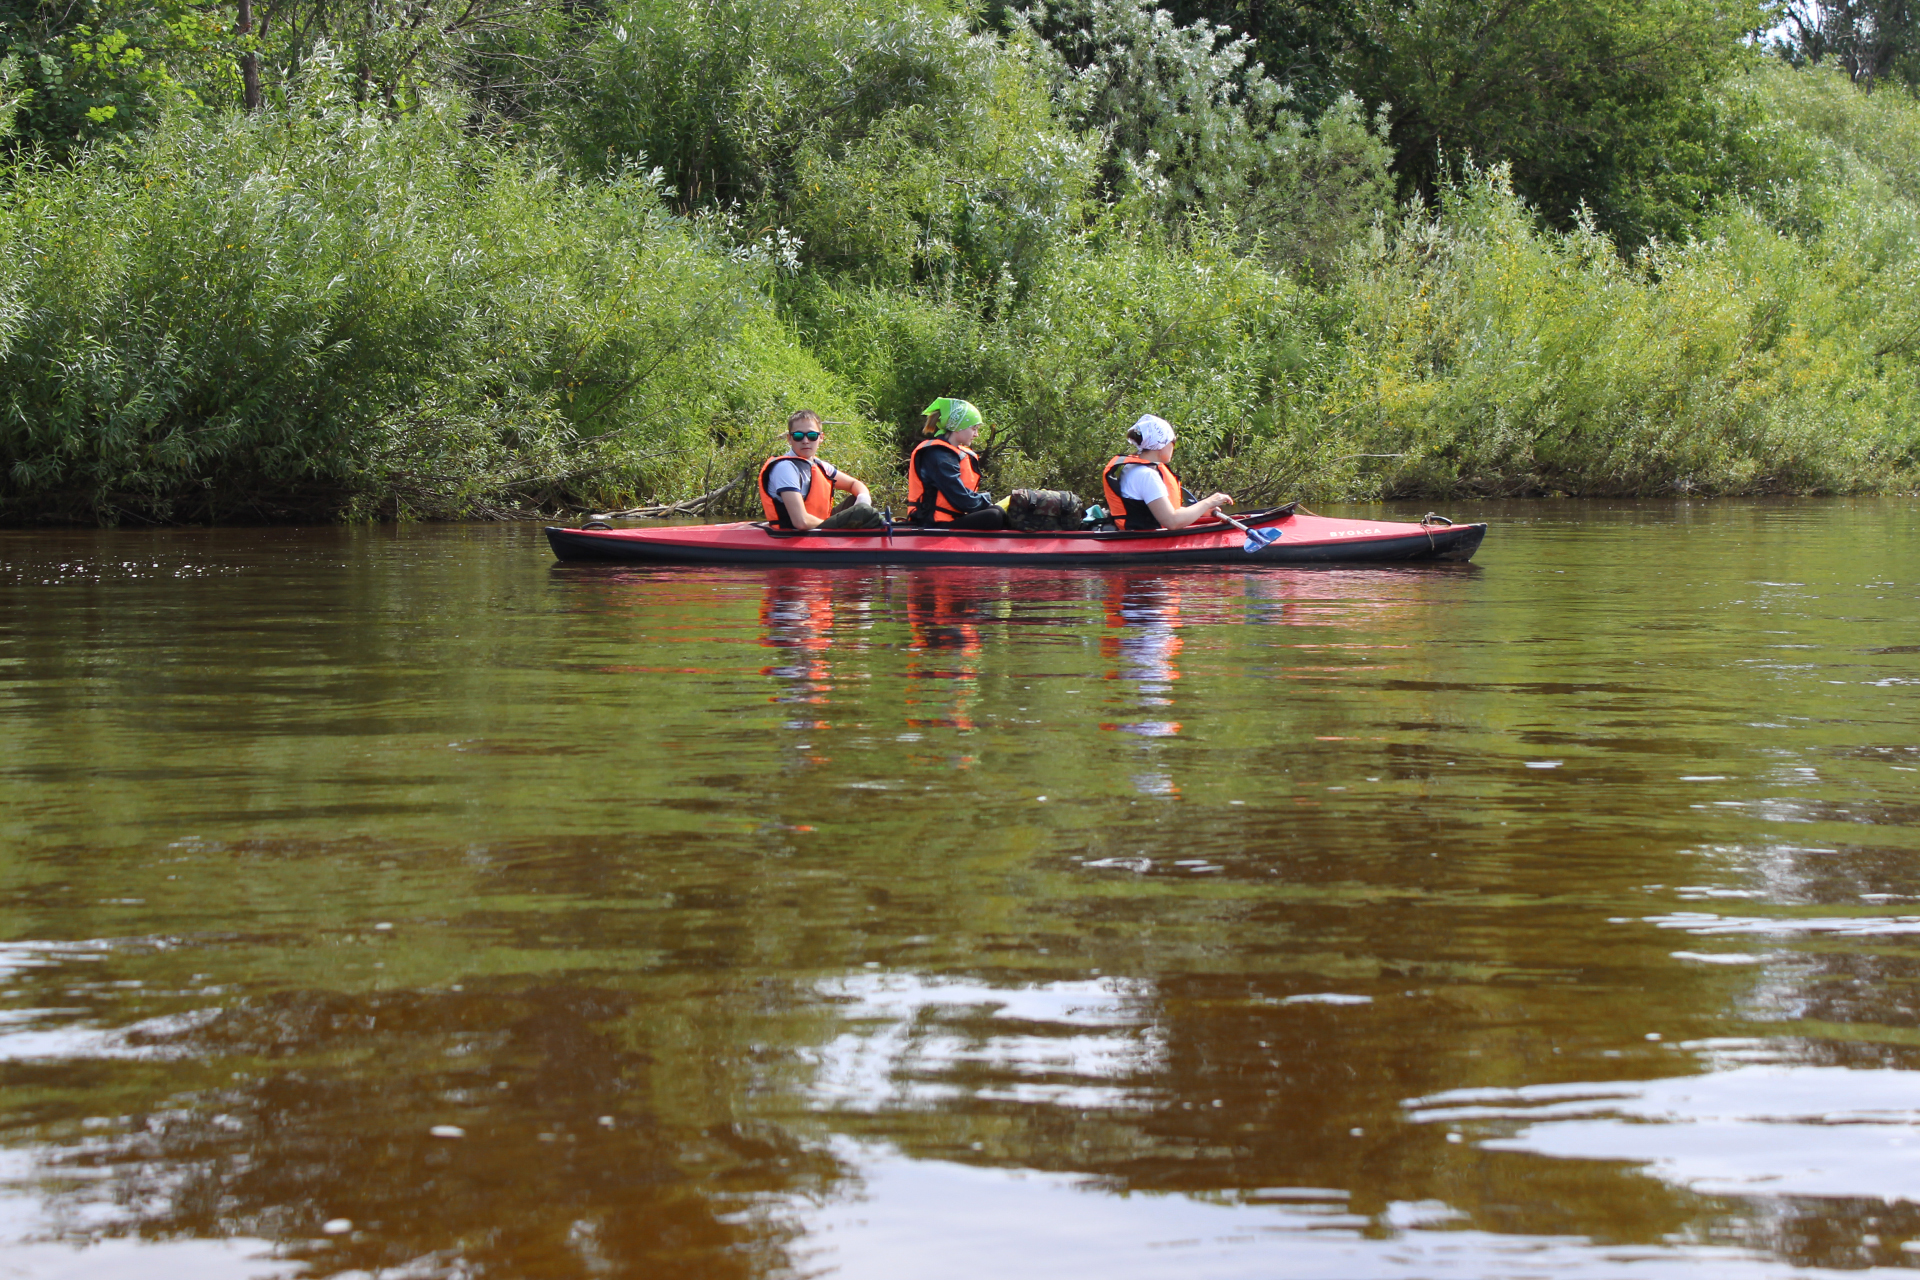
(939, 469)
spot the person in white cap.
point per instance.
(1141, 488)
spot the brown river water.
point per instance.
(400, 903)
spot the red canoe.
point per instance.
(1304, 539)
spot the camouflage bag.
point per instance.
(1042, 510)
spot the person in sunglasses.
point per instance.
(797, 487)
(1140, 486)
(943, 475)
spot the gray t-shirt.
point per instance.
(795, 474)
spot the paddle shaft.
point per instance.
(1188, 495)
(1255, 540)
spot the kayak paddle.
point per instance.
(1256, 538)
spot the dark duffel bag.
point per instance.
(1041, 510)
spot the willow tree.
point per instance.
(1604, 104)
(1871, 40)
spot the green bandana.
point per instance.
(954, 414)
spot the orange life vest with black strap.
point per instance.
(924, 502)
(817, 500)
(1138, 515)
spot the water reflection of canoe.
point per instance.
(1304, 539)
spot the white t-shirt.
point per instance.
(1143, 484)
(794, 473)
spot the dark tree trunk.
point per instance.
(249, 59)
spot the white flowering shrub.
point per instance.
(1187, 103)
(1191, 122)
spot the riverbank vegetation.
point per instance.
(301, 260)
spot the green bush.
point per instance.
(896, 142)
(1607, 106)
(325, 311)
(1501, 358)
(1189, 123)
(1129, 318)
(1179, 324)
(99, 69)
(337, 307)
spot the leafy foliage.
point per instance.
(1303, 44)
(899, 143)
(1871, 40)
(328, 310)
(1132, 317)
(1185, 109)
(507, 255)
(1503, 358)
(1605, 104)
(1191, 124)
(394, 52)
(103, 68)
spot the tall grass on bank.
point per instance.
(319, 313)
(1501, 358)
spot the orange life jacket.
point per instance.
(1137, 514)
(924, 504)
(817, 500)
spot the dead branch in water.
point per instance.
(692, 506)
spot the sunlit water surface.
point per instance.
(381, 902)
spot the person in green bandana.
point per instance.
(943, 475)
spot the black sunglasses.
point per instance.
(804, 435)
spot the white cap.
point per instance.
(1154, 433)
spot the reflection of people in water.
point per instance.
(943, 475)
(1143, 614)
(796, 615)
(1141, 488)
(797, 487)
(1144, 641)
(942, 611)
(942, 618)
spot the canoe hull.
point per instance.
(1304, 540)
